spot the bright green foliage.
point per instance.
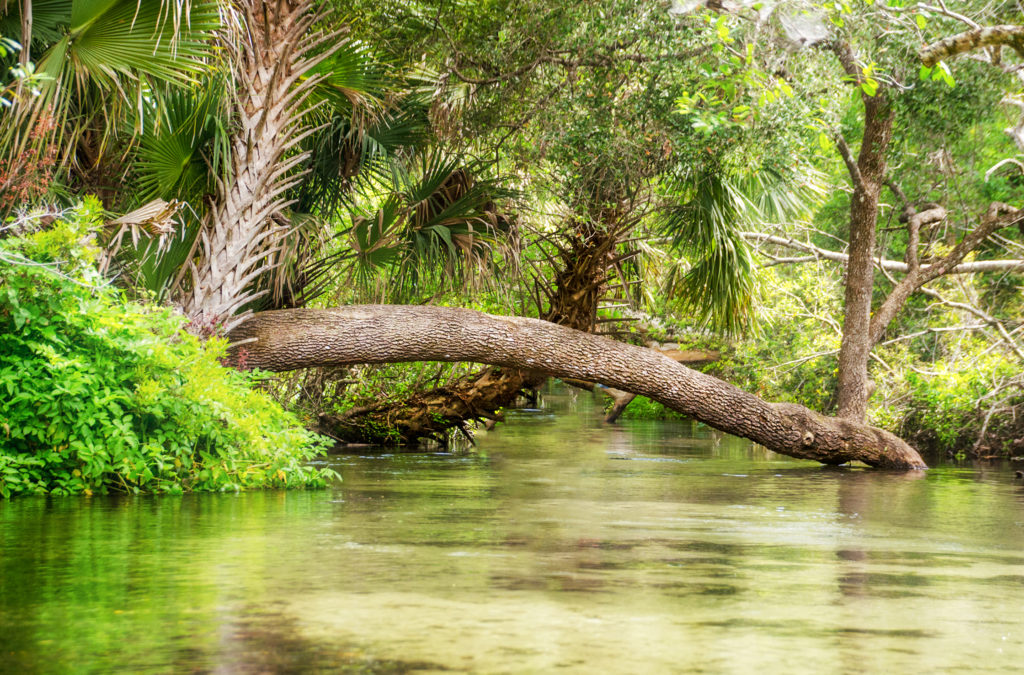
(950, 390)
(643, 408)
(100, 394)
(794, 360)
(426, 227)
(719, 287)
(98, 61)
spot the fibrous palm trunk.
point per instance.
(273, 57)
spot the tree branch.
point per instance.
(998, 215)
(919, 7)
(1006, 35)
(891, 265)
(915, 221)
(981, 314)
(849, 159)
(847, 59)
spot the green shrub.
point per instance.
(945, 410)
(98, 393)
(643, 408)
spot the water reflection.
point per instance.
(559, 545)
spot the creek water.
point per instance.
(558, 545)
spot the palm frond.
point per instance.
(183, 148)
(340, 150)
(103, 64)
(50, 20)
(185, 145)
(115, 41)
(437, 224)
(351, 78)
(717, 279)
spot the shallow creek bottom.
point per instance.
(558, 544)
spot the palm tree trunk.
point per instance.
(26, 33)
(272, 62)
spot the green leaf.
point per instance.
(942, 72)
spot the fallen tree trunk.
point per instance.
(580, 280)
(430, 414)
(301, 338)
(689, 358)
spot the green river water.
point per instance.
(558, 546)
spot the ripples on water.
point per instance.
(559, 545)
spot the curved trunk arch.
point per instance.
(300, 338)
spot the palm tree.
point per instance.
(716, 278)
(213, 105)
(273, 57)
(100, 65)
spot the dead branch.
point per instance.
(890, 265)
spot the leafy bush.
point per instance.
(100, 394)
(946, 409)
(643, 408)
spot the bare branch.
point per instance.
(981, 314)
(921, 7)
(891, 265)
(1006, 35)
(1000, 164)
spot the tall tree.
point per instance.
(273, 56)
(869, 173)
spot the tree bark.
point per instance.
(302, 338)
(1009, 35)
(26, 33)
(868, 176)
(274, 61)
(689, 358)
(574, 297)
